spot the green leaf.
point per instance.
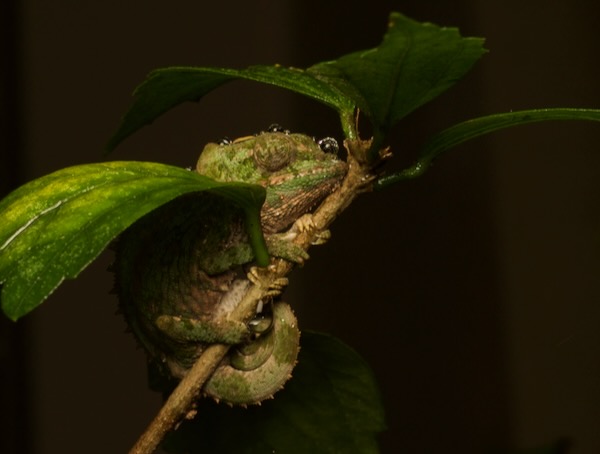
(331, 405)
(166, 88)
(471, 129)
(414, 63)
(53, 227)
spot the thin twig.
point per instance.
(182, 399)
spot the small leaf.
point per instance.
(331, 405)
(53, 227)
(415, 63)
(471, 129)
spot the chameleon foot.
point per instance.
(306, 223)
(272, 287)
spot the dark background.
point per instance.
(473, 292)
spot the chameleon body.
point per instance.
(181, 269)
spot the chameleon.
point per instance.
(183, 267)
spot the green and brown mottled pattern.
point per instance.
(182, 268)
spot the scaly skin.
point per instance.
(259, 369)
(182, 268)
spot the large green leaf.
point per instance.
(166, 88)
(331, 405)
(471, 129)
(414, 63)
(53, 227)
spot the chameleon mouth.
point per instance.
(310, 175)
(293, 194)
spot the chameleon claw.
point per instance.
(280, 283)
(305, 223)
(321, 238)
(272, 287)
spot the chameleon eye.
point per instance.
(272, 158)
(225, 141)
(329, 145)
(272, 153)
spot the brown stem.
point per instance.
(181, 400)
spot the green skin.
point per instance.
(182, 268)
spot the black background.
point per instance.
(473, 291)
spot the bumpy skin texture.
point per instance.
(181, 269)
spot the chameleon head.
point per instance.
(296, 171)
